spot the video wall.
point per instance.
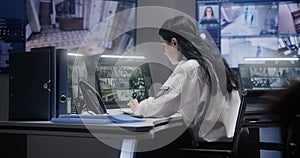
(257, 28)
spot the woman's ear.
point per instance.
(174, 43)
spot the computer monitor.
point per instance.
(268, 76)
(117, 84)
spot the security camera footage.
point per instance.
(261, 76)
(259, 29)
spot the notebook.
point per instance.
(96, 119)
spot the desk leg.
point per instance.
(128, 147)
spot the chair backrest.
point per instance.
(257, 116)
(239, 122)
(227, 149)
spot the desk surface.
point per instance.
(125, 130)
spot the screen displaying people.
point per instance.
(209, 14)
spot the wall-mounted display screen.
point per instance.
(248, 19)
(89, 25)
(234, 49)
(244, 28)
(12, 30)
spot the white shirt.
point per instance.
(187, 90)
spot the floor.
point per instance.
(53, 36)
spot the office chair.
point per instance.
(266, 97)
(220, 149)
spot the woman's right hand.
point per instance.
(133, 103)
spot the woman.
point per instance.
(208, 14)
(202, 88)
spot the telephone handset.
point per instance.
(92, 98)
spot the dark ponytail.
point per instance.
(232, 80)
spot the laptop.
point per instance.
(94, 101)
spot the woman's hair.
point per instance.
(212, 11)
(180, 26)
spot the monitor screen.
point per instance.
(208, 16)
(235, 50)
(252, 28)
(249, 19)
(117, 84)
(288, 17)
(12, 30)
(288, 45)
(268, 76)
(85, 27)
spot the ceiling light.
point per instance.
(270, 59)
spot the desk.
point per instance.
(46, 139)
